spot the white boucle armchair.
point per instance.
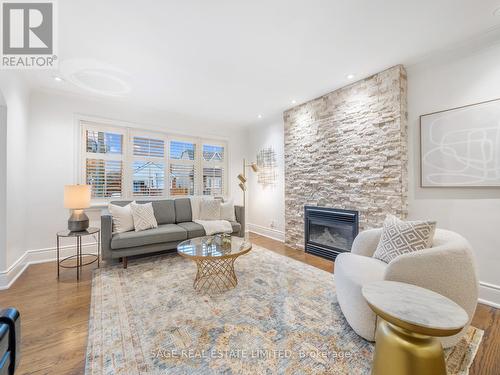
(447, 268)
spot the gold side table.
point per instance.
(409, 320)
(214, 261)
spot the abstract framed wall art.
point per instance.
(460, 147)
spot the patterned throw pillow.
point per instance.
(210, 209)
(144, 216)
(401, 237)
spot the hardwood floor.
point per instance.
(55, 316)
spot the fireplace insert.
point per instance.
(329, 231)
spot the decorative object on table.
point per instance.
(77, 198)
(460, 146)
(266, 162)
(62, 263)
(243, 181)
(410, 318)
(448, 263)
(215, 263)
(402, 237)
(279, 304)
(225, 241)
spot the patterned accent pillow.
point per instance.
(144, 216)
(210, 209)
(402, 237)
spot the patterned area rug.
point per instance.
(282, 318)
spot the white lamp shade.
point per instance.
(77, 196)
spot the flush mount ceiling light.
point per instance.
(259, 116)
(58, 79)
(294, 101)
(350, 76)
(96, 77)
(496, 12)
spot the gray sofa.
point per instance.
(174, 226)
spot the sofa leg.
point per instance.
(124, 262)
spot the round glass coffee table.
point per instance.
(215, 261)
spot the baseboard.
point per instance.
(267, 232)
(11, 274)
(489, 294)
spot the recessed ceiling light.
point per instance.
(294, 101)
(496, 12)
(58, 79)
(350, 76)
(259, 116)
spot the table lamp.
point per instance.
(76, 198)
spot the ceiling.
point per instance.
(233, 60)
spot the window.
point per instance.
(182, 167)
(148, 167)
(129, 163)
(213, 169)
(104, 163)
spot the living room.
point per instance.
(250, 187)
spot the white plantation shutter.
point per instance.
(128, 163)
(148, 166)
(182, 172)
(213, 163)
(104, 163)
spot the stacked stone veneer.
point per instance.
(348, 149)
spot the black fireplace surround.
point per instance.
(329, 231)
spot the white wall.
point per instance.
(455, 79)
(266, 205)
(16, 95)
(444, 83)
(53, 155)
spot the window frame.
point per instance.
(128, 133)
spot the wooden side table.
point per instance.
(410, 319)
(79, 254)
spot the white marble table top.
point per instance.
(415, 305)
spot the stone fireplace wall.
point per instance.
(348, 149)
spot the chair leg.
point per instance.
(124, 262)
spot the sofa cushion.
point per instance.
(193, 229)
(183, 210)
(164, 209)
(236, 226)
(164, 233)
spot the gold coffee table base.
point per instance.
(215, 275)
(399, 351)
(214, 261)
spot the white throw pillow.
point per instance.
(227, 211)
(196, 203)
(123, 221)
(210, 209)
(401, 237)
(144, 216)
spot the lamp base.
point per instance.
(78, 221)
